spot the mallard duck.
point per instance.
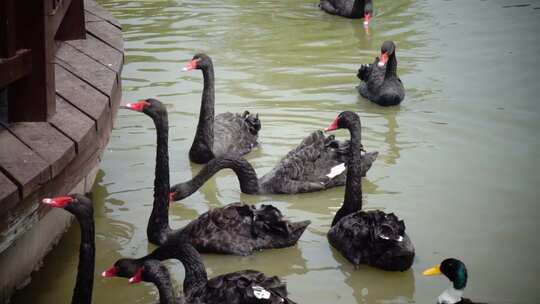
(456, 272)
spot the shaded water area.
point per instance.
(458, 159)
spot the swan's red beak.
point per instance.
(137, 106)
(137, 277)
(58, 202)
(383, 60)
(333, 126)
(111, 272)
(171, 197)
(191, 65)
(367, 19)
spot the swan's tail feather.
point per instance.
(364, 71)
(253, 122)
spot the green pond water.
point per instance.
(458, 158)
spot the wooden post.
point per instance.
(32, 98)
(7, 28)
(72, 26)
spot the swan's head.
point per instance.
(151, 107)
(368, 13)
(199, 61)
(151, 271)
(77, 204)
(387, 50)
(124, 268)
(453, 269)
(344, 120)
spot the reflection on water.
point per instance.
(457, 159)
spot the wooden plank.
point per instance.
(75, 124)
(83, 96)
(22, 164)
(9, 194)
(23, 214)
(89, 17)
(99, 51)
(47, 142)
(95, 74)
(107, 33)
(15, 67)
(95, 9)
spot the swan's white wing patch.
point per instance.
(336, 170)
(260, 292)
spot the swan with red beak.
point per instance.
(380, 82)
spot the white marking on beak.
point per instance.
(185, 69)
(380, 64)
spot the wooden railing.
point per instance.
(28, 30)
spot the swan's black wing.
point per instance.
(242, 287)
(240, 229)
(372, 77)
(373, 238)
(235, 134)
(305, 168)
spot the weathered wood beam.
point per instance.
(15, 67)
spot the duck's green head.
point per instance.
(453, 269)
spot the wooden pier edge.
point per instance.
(62, 154)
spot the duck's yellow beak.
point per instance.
(432, 271)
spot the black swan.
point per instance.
(227, 133)
(245, 286)
(456, 272)
(81, 207)
(366, 237)
(380, 82)
(233, 229)
(349, 8)
(316, 164)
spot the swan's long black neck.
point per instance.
(165, 289)
(241, 167)
(158, 224)
(203, 143)
(82, 294)
(195, 273)
(353, 185)
(391, 66)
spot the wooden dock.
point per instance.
(58, 152)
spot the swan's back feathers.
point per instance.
(375, 238)
(235, 134)
(305, 168)
(240, 229)
(242, 287)
(344, 8)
